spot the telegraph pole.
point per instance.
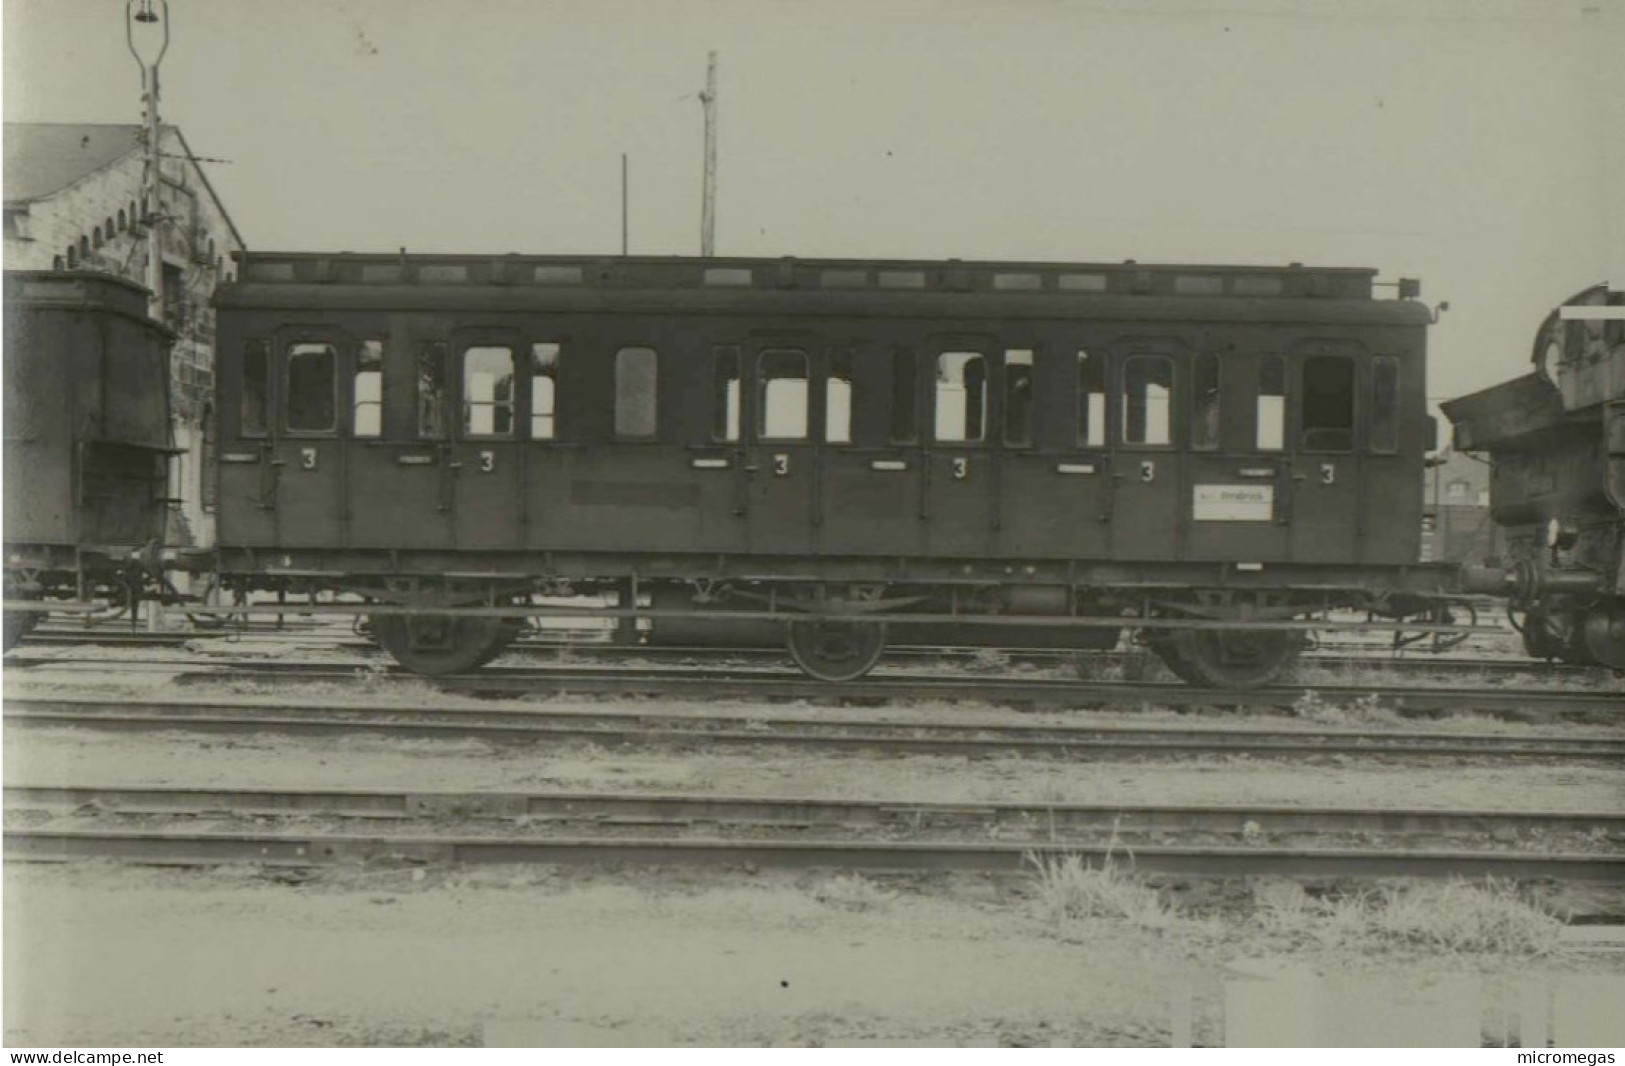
(623, 203)
(708, 208)
(152, 180)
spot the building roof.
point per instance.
(46, 157)
(43, 158)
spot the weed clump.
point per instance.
(1073, 895)
(1488, 917)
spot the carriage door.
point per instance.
(959, 475)
(486, 455)
(781, 464)
(1326, 521)
(1147, 508)
(307, 457)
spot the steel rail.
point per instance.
(634, 726)
(308, 850)
(681, 809)
(788, 614)
(1382, 657)
(785, 684)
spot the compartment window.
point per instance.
(961, 396)
(367, 401)
(1018, 397)
(725, 394)
(432, 391)
(488, 392)
(1328, 403)
(312, 385)
(636, 385)
(1385, 404)
(253, 418)
(1205, 401)
(544, 380)
(1270, 428)
(1091, 401)
(905, 396)
(1148, 388)
(838, 399)
(781, 382)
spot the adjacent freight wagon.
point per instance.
(87, 444)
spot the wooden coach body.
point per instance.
(766, 415)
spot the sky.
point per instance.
(1462, 142)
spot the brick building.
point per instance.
(1457, 527)
(75, 200)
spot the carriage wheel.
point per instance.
(831, 650)
(1240, 658)
(437, 644)
(1605, 635)
(508, 630)
(1168, 650)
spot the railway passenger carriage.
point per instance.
(1014, 450)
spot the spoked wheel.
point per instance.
(1605, 635)
(1240, 658)
(438, 644)
(508, 629)
(836, 650)
(1168, 650)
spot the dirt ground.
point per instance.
(98, 954)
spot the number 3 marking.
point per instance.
(961, 468)
(488, 461)
(781, 464)
(1328, 473)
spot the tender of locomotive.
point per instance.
(1556, 440)
(87, 444)
(848, 452)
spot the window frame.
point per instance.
(383, 378)
(1083, 427)
(760, 388)
(1006, 408)
(266, 348)
(1282, 365)
(977, 351)
(1352, 360)
(280, 401)
(1124, 361)
(1389, 444)
(528, 394)
(1197, 417)
(617, 433)
(438, 349)
(840, 364)
(464, 406)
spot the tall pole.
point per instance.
(623, 203)
(708, 209)
(152, 180)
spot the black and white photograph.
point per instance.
(790, 524)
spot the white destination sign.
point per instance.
(1233, 503)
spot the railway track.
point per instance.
(153, 825)
(622, 725)
(592, 646)
(780, 684)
